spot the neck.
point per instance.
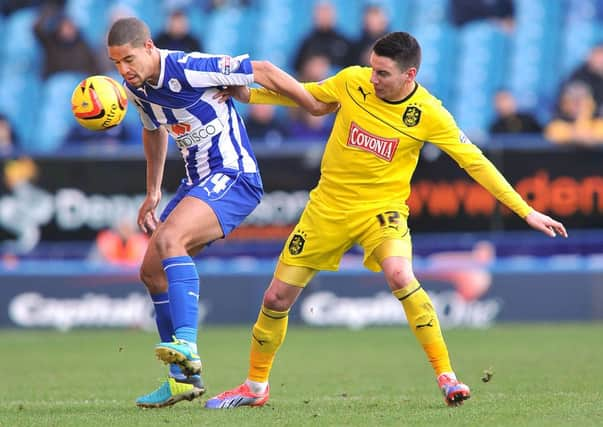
(154, 78)
(406, 90)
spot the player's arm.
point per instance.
(485, 173)
(446, 135)
(273, 78)
(326, 92)
(262, 95)
(155, 151)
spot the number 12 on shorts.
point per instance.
(390, 219)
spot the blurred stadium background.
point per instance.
(60, 193)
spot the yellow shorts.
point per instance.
(323, 235)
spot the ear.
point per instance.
(149, 45)
(412, 73)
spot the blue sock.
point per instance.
(176, 372)
(183, 290)
(163, 317)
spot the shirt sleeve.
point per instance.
(446, 135)
(203, 70)
(265, 96)
(327, 91)
(146, 120)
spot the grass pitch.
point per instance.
(543, 375)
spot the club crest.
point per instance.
(411, 116)
(296, 245)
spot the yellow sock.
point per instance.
(423, 321)
(267, 336)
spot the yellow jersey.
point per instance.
(374, 147)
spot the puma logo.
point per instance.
(426, 325)
(260, 342)
(364, 95)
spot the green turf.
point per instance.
(544, 375)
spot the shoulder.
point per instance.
(352, 73)
(432, 107)
(428, 101)
(173, 57)
(130, 90)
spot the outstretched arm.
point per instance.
(264, 96)
(274, 79)
(447, 136)
(546, 224)
(484, 172)
(271, 77)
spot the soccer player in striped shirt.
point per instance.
(173, 93)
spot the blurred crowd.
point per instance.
(575, 116)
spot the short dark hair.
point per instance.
(128, 30)
(401, 47)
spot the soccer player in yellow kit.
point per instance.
(384, 118)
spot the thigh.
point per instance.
(231, 195)
(319, 239)
(209, 211)
(383, 233)
(294, 275)
(193, 223)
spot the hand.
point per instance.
(240, 93)
(546, 224)
(147, 221)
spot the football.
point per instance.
(99, 103)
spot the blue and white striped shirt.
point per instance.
(211, 136)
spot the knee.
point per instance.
(145, 275)
(275, 300)
(399, 277)
(166, 241)
(150, 280)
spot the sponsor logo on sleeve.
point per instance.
(463, 138)
(228, 64)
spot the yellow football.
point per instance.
(99, 103)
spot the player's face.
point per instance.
(390, 82)
(135, 64)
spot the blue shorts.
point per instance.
(232, 195)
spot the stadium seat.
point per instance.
(281, 26)
(482, 53)
(437, 73)
(349, 17)
(2, 36)
(535, 58)
(19, 97)
(224, 24)
(197, 19)
(400, 12)
(20, 47)
(55, 117)
(150, 11)
(91, 17)
(462, 67)
(581, 31)
(429, 13)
